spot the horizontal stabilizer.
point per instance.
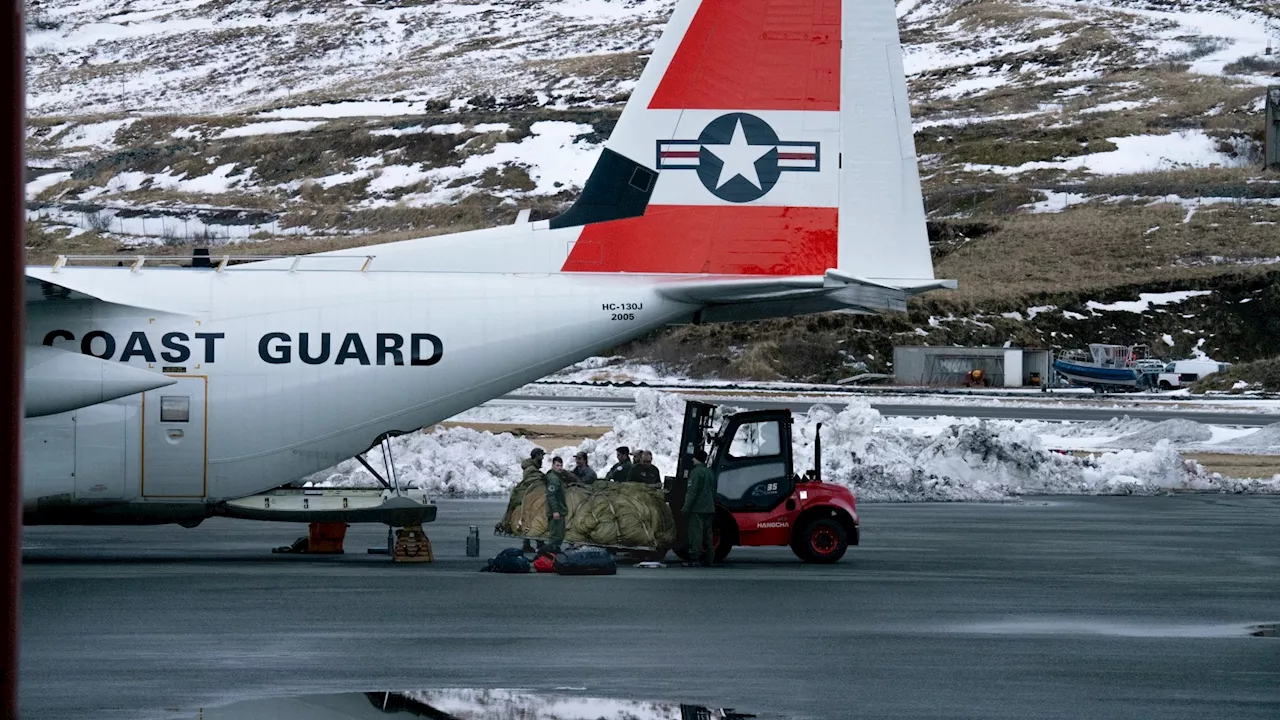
(753, 298)
(57, 381)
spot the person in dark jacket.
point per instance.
(644, 471)
(531, 469)
(621, 470)
(700, 510)
(532, 465)
(581, 470)
(557, 508)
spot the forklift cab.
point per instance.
(750, 455)
(751, 458)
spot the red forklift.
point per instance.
(760, 500)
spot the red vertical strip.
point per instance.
(13, 310)
(756, 55)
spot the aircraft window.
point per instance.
(759, 439)
(175, 408)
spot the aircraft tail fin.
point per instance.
(765, 137)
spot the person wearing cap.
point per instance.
(531, 470)
(699, 510)
(644, 471)
(621, 470)
(532, 466)
(582, 472)
(557, 508)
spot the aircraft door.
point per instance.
(174, 439)
(753, 465)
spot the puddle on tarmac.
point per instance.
(1103, 627)
(462, 704)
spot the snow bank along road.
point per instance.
(1009, 411)
(1081, 607)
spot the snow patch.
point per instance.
(1133, 154)
(278, 127)
(44, 182)
(360, 108)
(1146, 300)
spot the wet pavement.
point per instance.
(1120, 607)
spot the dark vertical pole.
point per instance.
(13, 311)
(1271, 151)
(817, 453)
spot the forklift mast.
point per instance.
(698, 420)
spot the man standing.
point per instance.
(700, 510)
(531, 469)
(581, 470)
(644, 471)
(557, 508)
(621, 469)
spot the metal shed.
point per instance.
(954, 366)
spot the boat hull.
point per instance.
(1081, 374)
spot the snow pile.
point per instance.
(469, 704)
(455, 462)
(654, 425)
(1114, 427)
(1180, 432)
(974, 460)
(969, 460)
(1266, 439)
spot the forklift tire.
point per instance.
(723, 546)
(822, 541)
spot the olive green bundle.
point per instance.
(602, 513)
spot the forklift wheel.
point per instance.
(822, 541)
(720, 543)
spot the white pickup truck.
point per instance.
(1180, 373)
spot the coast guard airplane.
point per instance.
(763, 167)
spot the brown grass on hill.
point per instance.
(1095, 246)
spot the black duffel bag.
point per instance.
(585, 561)
(510, 560)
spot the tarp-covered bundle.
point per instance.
(602, 513)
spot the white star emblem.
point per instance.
(739, 158)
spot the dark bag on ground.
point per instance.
(510, 560)
(586, 561)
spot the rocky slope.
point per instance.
(1075, 153)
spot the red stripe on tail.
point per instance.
(742, 240)
(756, 55)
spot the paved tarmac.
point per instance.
(1011, 410)
(1117, 607)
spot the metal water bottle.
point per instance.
(473, 542)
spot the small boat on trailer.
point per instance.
(1110, 368)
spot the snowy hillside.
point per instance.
(1071, 150)
(197, 57)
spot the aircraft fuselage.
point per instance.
(282, 374)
